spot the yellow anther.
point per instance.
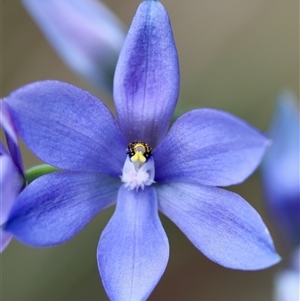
(138, 156)
(139, 152)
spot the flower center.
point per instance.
(138, 152)
(138, 170)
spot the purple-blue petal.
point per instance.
(280, 168)
(55, 207)
(221, 224)
(68, 127)
(11, 135)
(10, 185)
(209, 147)
(3, 150)
(146, 83)
(85, 33)
(5, 239)
(7, 123)
(133, 249)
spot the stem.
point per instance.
(38, 171)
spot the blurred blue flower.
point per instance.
(280, 176)
(287, 281)
(11, 173)
(280, 169)
(85, 33)
(135, 163)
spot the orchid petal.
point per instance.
(86, 34)
(5, 239)
(7, 124)
(146, 82)
(10, 185)
(209, 147)
(55, 207)
(133, 249)
(68, 127)
(221, 224)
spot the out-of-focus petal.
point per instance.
(287, 281)
(222, 225)
(6, 123)
(280, 168)
(55, 207)
(3, 150)
(10, 186)
(209, 147)
(146, 82)
(133, 249)
(287, 286)
(68, 127)
(8, 126)
(85, 33)
(5, 239)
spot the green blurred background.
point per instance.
(235, 55)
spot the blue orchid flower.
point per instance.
(11, 173)
(137, 164)
(85, 33)
(280, 169)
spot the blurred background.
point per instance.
(234, 55)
